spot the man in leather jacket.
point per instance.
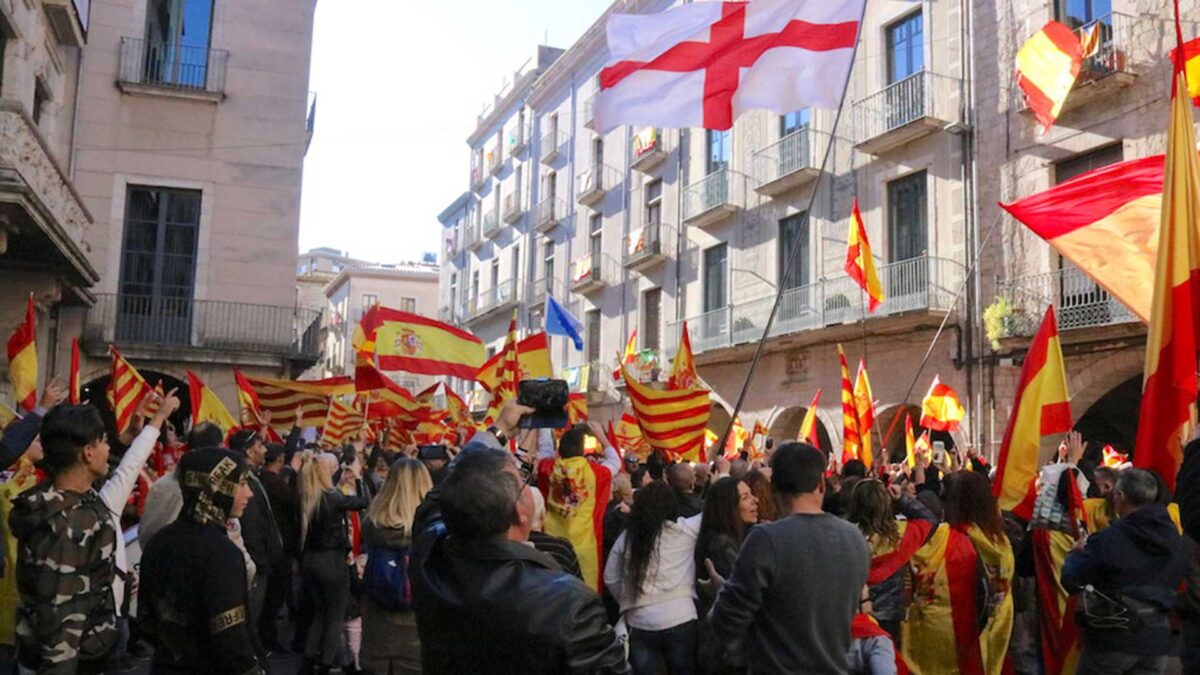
(486, 601)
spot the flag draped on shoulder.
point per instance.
(808, 426)
(672, 421)
(1041, 408)
(940, 410)
(860, 262)
(417, 344)
(703, 64)
(206, 406)
(851, 443)
(1169, 386)
(683, 368)
(1047, 65)
(864, 408)
(22, 359)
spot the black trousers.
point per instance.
(327, 588)
(279, 585)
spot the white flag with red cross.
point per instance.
(705, 63)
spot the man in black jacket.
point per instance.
(474, 574)
(260, 532)
(1139, 561)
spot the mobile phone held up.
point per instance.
(548, 398)
(432, 452)
(939, 452)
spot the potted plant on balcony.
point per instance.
(1002, 320)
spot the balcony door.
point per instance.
(1078, 13)
(178, 34)
(158, 265)
(905, 95)
(793, 234)
(715, 321)
(908, 236)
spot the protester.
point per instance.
(617, 513)
(795, 601)
(285, 506)
(730, 510)
(651, 571)
(390, 644)
(558, 548)
(1128, 574)
(194, 591)
(20, 478)
(871, 649)
(703, 472)
(759, 483)
(682, 479)
(165, 499)
(260, 532)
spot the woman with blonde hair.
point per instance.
(325, 546)
(390, 645)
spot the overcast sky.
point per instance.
(399, 87)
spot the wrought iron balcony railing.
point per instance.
(919, 104)
(551, 145)
(549, 212)
(644, 247)
(711, 198)
(172, 66)
(501, 296)
(786, 163)
(1078, 302)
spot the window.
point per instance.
(453, 288)
(495, 272)
(1090, 161)
(597, 153)
(474, 286)
(793, 232)
(651, 318)
(41, 96)
(596, 228)
(550, 186)
(907, 237)
(515, 272)
(554, 128)
(653, 202)
(905, 47)
(715, 274)
(369, 300)
(718, 151)
(592, 326)
(177, 40)
(548, 263)
(1076, 13)
(793, 122)
(158, 264)
(408, 305)
(3, 46)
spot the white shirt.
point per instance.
(116, 491)
(667, 596)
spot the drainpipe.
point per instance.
(75, 114)
(973, 338)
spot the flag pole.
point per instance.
(793, 255)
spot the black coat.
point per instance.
(285, 504)
(327, 531)
(259, 529)
(498, 606)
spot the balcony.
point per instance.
(518, 138)
(588, 114)
(492, 301)
(1078, 303)
(1112, 66)
(647, 367)
(916, 106)
(644, 247)
(649, 149)
(68, 21)
(172, 69)
(536, 292)
(594, 182)
(786, 164)
(512, 208)
(201, 330)
(923, 284)
(592, 272)
(495, 160)
(713, 198)
(491, 224)
(551, 146)
(478, 179)
(472, 237)
(549, 212)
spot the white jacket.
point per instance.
(671, 574)
(115, 493)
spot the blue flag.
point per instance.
(560, 322)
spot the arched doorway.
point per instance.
(95, 393)
(786, 427)
(1112, 419)
(890, 426)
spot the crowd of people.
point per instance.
(518, 551)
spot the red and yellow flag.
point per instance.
(23, 361)
(342, 422)
(417, 344)
(941, 410)
(671, 421)
(577, 492)
(851, 441)
(860, 263)
(864, 408)
(1047, 65)
(808, 427)
(629, 437)
(281, 397)
(1041, 408)
(577, 408)
(1191, 66)
(910, 443)
(73, 386)
(508, 373)
(460, 414)
(533, 360)
(736, 439)
(206, 406)
(126, 389)
(630, 355)
(683, 368)
(1169, 387)
(249, 410)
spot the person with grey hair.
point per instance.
(558, 548)
(1128, 574)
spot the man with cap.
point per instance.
(193, 598)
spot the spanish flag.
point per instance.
(630, 355)
(683, 368)
(388, 400)
(941, 410)
(1047, 65)
(851, 442)
(808, 427)
(860, 263)
(416, 344)
(22, 359)
(736, 439)
(533, 361)
(864, 407)
(7, 416)
(249, 410)
(1191, 66)
(629, 437)
(206, 407)
(1059, 632)
(281, 397)
(460, 414)
(671, 421)
(910, 443)
(73, 386)
(577, 408)
(1169, 387)
(1041, 408)
(577, 492)
(126, 389)
(940, 633)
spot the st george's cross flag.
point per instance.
(703, 64)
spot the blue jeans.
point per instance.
(674, 646)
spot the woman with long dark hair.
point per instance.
(759, 484)
(651, 571)
(730, 510)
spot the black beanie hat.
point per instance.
(209, 478)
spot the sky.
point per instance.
(399, 86)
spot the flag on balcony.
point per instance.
(860, 263)
(560, 322)
(1168, 406)
(941, 411)
(533, 361)
(417, 344)
(630, 356)
(22, 359)
(1191, 66)
(73, 386)
(206, 406)
(280, 398)
(341, 422)
(703, 64)
(1040, 408)
(808, 427)
(851, 441)
(683, 368)
(1047, 65)
(126, 389)
(910, 444)
(864, 407)
(671, 421)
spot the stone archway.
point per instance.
(890, 424)
(95, 392)
(786, 427)
(1112, 419)
(1090, 380)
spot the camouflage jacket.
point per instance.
(66, 550)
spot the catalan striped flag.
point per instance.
(683, 367)
(864, 407)
(126, 389)
(671, 421)
(1041, 408)
(1047, 65)
(940, 410)
(533, 361)
(1191, 66)
(1168, 406)
(206, 406)
(508, 373)
(281, 397)
(808, 427)
(417, 344)
(73, 386)
(860, 262)
(910, 443)
(22, 359)
(342, 422)
(388, 400)
(851, 442)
